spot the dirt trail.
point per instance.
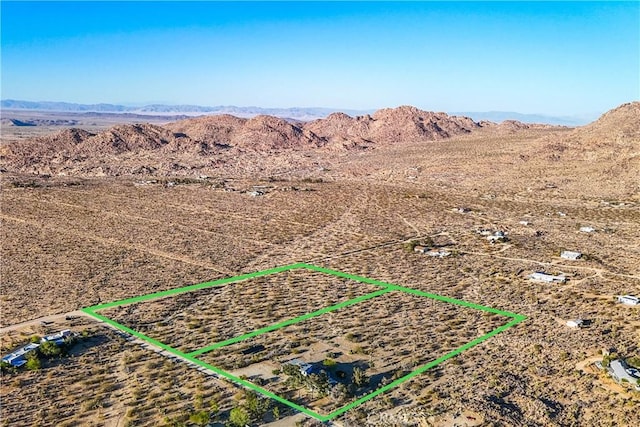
(217, 213)
(114, 242)
(146, 220)
(39, 321)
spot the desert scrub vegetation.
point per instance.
(108, 239)
(196, 319)
(107, 377)
(376, 333)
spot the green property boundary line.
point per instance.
(288, 322)
(387, 287)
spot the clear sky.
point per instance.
(553, 58)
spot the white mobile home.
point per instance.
(577, 323)
(545, 277)
(628, 299)
(570, 255)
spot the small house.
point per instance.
(439, 253)
(497, 237)
(58, 338)
(546, 277)
(19, 357)
(628, 300)
(576, 324)
(587, 229)
(572, 255)
(305, 368)
(420, 249)
(621, 372)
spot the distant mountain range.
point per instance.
(295, 113)
(499, 116)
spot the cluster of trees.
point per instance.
(253, 408)
(249, 410)
(319, 383)
(316, 383)
(46, 350)
(606, 359)
(202, 416)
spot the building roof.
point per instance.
(621, 371)
(570, 255)
(439, 253)
(58, 337)
(629, 299)
(546, 277)
(17, 357)
(575, 323)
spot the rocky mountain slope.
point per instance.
(391, 125)
(204, 142)
(620, 125)
(259, 133)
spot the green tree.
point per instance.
(329, 363)
(200, 418)
(634, 361)
(214, 408)
(238, 417)
(295, 377)
(6, 367)
(199, 400)
(33, 363)
(339, 393)
(319, 383)
(359, 377)
(252, 403)
(49, 349)
(255, 406)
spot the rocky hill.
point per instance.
(121, 149)
(620, 125)
(220, 129)
(610, 145)
(387, 126)
(391, 126)
(260, 133)
(204, 142)
(55, 148)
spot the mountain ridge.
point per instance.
(294, 113)
(201, 143)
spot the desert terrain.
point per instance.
(94, 214)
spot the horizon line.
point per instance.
(132, 106)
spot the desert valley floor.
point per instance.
(86, 237)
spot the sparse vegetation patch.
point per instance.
(362, 333)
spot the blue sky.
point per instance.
(551, 58)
